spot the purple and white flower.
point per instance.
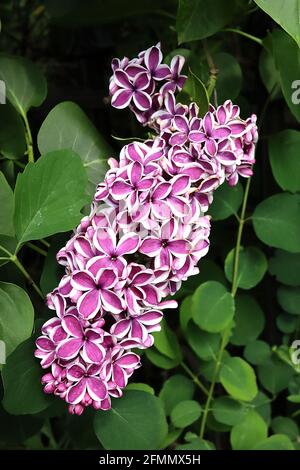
(97, 293)
(131, 90)
(145, 233)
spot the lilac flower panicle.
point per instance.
(145, 234)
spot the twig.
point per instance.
(226, 332)
(195, 378)
(213, 71)
(37, 249)
(21, 268)
(28, 137)
(44, 242)
(242, 33)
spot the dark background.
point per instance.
(74, 41)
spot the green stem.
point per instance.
(47, 430)
(211, 84)
(14, 259)
(165, 13)
(242, 33)
(45, 243)
(21, 268)
(19, 164)
(265, 107)
(37, 249)
(295, 414)
(226, 332)
(213, 71)
(127, 138)
(234, 285)
(6, 251)
(214, 380)
(28, 136)
(195, 378)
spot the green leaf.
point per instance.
(204, 344)
(160, 360)
(49, 195)
(238, 379)
(249, 320)
(287, 323)
(285, 353)
(275, 442)
(15, 430)
(276, 221)
(185, 413)
(228, 411)
(216, 426)
(287, 58)
(207, 369)
(249, 432)
(16, 316)
(294, 384)
(287, 426)
(286, 13)
(197, 444)
(285, 267)
(135, 422)
(274, 375)
(185, 312)
(268, 71)
(140, 386)
(257, 352)
(21, 377)
(229, 81)
(9, 170)
(294, 398)
(12, 133)
(189, 436)
(226, 201)
(68, 127)
(7, 207)
(252, 267)
(196, 90)
(192, 61)
(262, 405)
(213, 307)
(25, 84)
(166, 343)
(185, 390)
(52, 271)
(284, 149)
(173, 435)
(74, 427)
(198, 19)
(9, 244)
(289, 299)
(210, 271)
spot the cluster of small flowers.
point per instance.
(146, 232)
